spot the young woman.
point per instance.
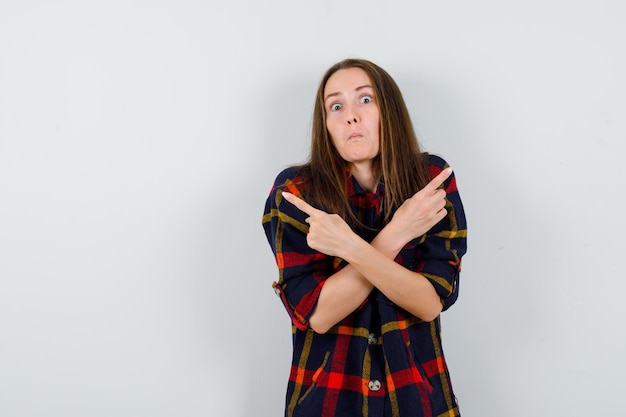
(368, 237)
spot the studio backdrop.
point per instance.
(139, 140)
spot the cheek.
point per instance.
(331, 124)
(333, 130)
(376, 121)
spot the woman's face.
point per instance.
(352, 116)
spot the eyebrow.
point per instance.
(338, 93)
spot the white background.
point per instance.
(139, 139)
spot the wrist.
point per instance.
(354, 249)
(389, 241)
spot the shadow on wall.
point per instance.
(249, 337)
(493, 330)
(284, 142)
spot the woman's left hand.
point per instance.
(328, 233)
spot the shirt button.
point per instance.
(372, 339)
(374, 385)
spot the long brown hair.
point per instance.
(400, 163)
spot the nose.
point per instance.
(351, 115)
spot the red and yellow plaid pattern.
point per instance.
(380, 360)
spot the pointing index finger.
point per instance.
(300, 203)
(439, 179)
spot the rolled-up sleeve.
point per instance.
(438, 255)
(302, 270)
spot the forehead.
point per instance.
(346, 80)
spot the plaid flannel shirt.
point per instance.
(380, 360)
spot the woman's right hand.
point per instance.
(418, 214)
(328, 233)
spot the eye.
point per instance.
(335, 107)
(366, 99)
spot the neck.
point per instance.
(363, 174)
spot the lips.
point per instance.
(355, 135)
